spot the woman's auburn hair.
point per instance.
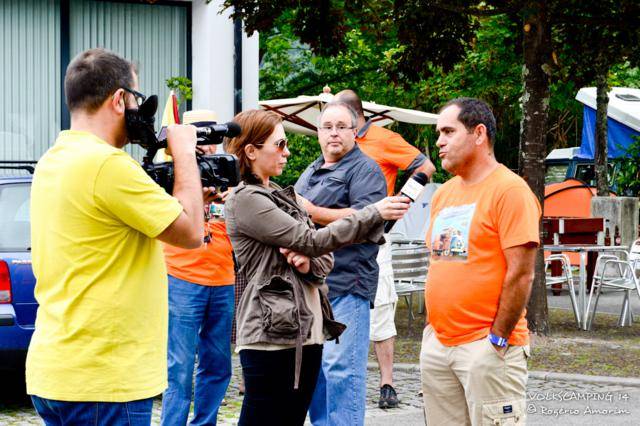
(256, 126)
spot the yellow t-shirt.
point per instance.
(101, 328)
(471, 226)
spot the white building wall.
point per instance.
(212, 61)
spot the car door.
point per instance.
(15, 248)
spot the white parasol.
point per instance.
(300, 115)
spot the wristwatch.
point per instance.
(497, 340)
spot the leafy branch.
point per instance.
(182, 86)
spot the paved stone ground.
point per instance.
(551, 401)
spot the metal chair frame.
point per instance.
(410, 262)
(618, 275)
(565, 278)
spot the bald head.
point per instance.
(351, 98)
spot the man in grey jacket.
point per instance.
(342, 180)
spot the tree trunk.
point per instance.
(601, 149)
(533, 130)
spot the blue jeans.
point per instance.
(59, 413)
(200, 320)
(340, 395)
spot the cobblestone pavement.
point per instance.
(554, 402)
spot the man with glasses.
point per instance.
(98, 353)
(392, 153)
(339, 182)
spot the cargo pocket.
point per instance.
(279, 312)
(504, 413)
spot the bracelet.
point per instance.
(497, 340)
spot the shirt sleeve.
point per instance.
(366, 186)
(417, 162)
(260, 218)
(400, 153)
(518, 216)
(124, 190)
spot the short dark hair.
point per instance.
(351, 97)
(94, 75)
(473, 112)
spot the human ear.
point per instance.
(480, 133)
(117, 101)
(250, 152)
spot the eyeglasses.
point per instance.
(139, 97)
(281, 144)
(340, 128)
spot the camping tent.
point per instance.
(623, 120)
(415, 223)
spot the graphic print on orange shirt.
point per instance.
(450, 233)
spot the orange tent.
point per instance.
(571, 198)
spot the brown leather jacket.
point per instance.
(272, 309)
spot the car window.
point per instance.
(586, 173)
(15, 233)
(555, 173)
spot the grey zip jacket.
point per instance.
(272, 308)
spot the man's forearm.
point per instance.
(427, 168)
(324, 215)
(188, 189)
(513, 299)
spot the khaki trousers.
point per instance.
(472, 384)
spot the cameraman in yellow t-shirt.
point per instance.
(98, 353)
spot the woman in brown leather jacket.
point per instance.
(284, 316)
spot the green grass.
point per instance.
(606, 350)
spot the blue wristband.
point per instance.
(497, 340)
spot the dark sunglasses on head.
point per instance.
(139, 97)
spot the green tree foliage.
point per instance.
(491, 70)
(182, 86)
(627, 179)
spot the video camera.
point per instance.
(218, 170)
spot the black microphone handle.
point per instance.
(388, 224)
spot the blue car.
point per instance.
(17, 303)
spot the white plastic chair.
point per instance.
(565, 278)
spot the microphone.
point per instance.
(412, 190)
(210, 134)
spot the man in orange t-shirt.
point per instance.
(483, 238)
(201, 307)
(392, 153)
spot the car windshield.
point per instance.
(15, 233)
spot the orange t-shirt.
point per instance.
(211, 264)
(470, 227)
(389, 150)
